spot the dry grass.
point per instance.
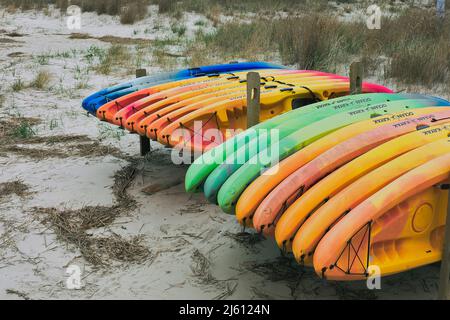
(201, 270)
(17, 136)
(18, 85)
(231, 41)
(67, 150)
(112, 39)
(13, 187)
(247, 239)
(116, 56)
(129, 11)
(76, 227)
(231, 7)
(41, 80)
(18, 293)
(17, 129)
(414, 43)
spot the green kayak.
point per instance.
(205, 164)
(258, 143)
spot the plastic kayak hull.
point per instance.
(355, 140)
(95, 100)
(388, 230)
(206, 163)
(145, 113)
(236, 184)
(304, 207)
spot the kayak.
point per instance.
(237, 182)
(254, 194)
(95, 100)
(355, 140)
(107, 111)
(234, 161)
(207, 162)
(387, 229)
(206, 85)
(145, 112)
(304, 207)
(168, 116)
(218, 120)
(351, 196)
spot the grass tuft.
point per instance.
(42, 80)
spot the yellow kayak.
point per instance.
(320, 193)
(400, 227)
(257, 191)
(315, 227)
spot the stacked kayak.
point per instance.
(198, 109)
(343, 184)
(96, 100)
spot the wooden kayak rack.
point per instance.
(144, 142)
(356, 80)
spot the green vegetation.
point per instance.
(415, 44)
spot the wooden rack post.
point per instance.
(445, 264)
(253, 98)
(144, 142)
(356, 76)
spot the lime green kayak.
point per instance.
(246, 173)
(205, 164)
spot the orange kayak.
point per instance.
(107, 111)
(309, 235)
(304, 207)
(281, 197)
(264, 184)
(381, 232)
(219, 118)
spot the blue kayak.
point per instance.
(96, 100)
